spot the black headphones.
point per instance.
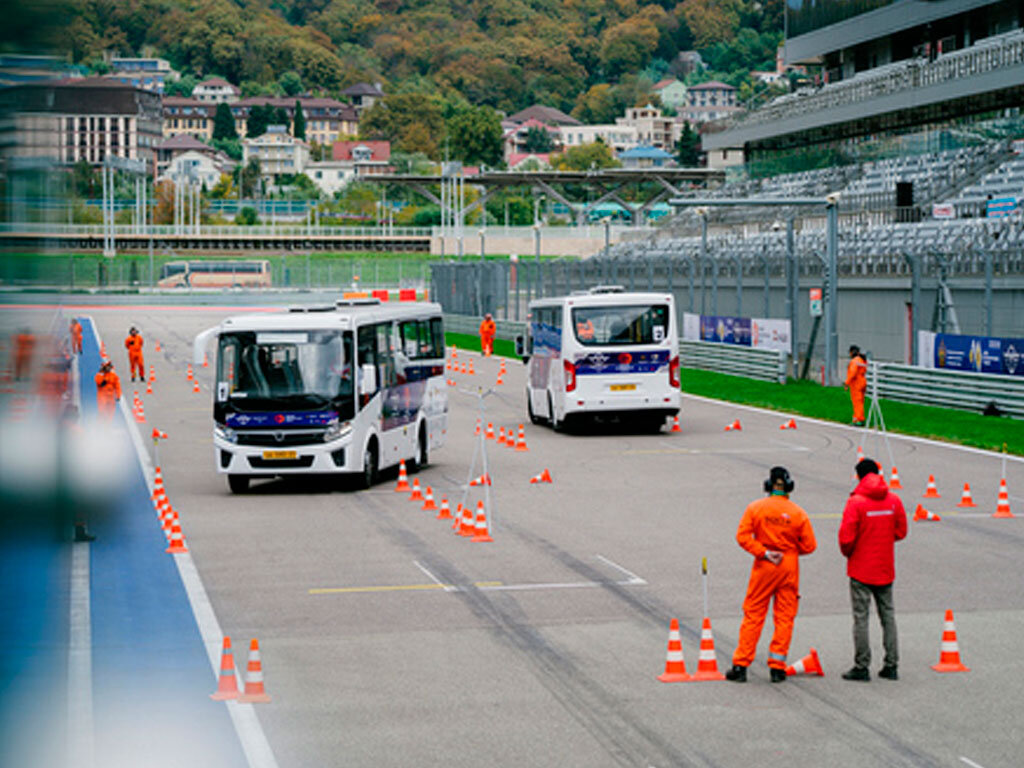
(779, 473)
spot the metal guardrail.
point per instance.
(505, 329)
(214, 230)
(950, 389)
(763, 364)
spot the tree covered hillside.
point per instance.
(505, 54)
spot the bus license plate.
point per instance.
(622, 387)
(280, 455)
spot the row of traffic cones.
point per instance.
(707, 663)
(966, 500)
(477, 530)
(168, 515)
(138, 410)
(227, 685)
(503, 438)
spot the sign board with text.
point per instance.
(816, 303)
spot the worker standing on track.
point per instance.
(487, 331)
(873, 521)
(857, 383)
(24, 346)
(134, 346)
(76, 336)
(108, 390)
(776, 532)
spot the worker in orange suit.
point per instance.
(487, 331)
(108, 390)
(857, 383)
(24, 346)
(776, 532)
(134, 346)
(76, 336)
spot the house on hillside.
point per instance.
(708, 101)
(277, 152)
(147, 73)
(542, 114)
(204, 167)
(671, 92)
(515, 137)
(326, 119)
(652, 127)
(190, 117)
(645, 156)
(615, 137)
(529, 161)
(350, 160)
(363, 95)
(216, 90)
(170, 148)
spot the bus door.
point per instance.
(546, 334)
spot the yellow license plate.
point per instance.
(622, 387)
(280, 455)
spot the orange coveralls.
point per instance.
(857, 383)
(76, 337)
(108, 391)
(487, 331)
(24, 345)
(772, 523)
(134, 346)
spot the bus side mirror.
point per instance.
(367, 379)
(521, 348)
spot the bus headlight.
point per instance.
(337, 430)
(225, 433)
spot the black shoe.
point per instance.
(857, 673)
(889, 672)
(778, 675)
(737, 674)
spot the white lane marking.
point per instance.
(432, 577)
(708, 451)
(243, 716)
(859, 430)
(81, 746)
(969, 762)
(633, 578)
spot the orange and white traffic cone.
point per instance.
(403, 478)
(476, 433)
(894, 481)
(428, 499)
(484, 479)
(457, 521)
(949, 652)
(195, 386)
(471, 371)
(791, 424)
(445, 512)
(808, 665)
(707, 663)
(931, 492)
(499, 381)
(466, 527)
(416, 494)
(157, 347)
(521, 440)
(254, 691)
(227, 684)
(501, 435)
(455, 352)
(675, 425)
(860, 454)
(1003, 502)
(734, 426)
(158, 482)
(923, 514)
(177, 540)
(489, 434)
(463, 369)
(206, 363)
(965, 497)
(480, 532)
(152, 373)
(543, 477)
(149, 387)
(450, 382)
(188, 374)
(675, 665)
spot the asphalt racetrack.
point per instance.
(387, 640)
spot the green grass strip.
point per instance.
(502, 347)
(807, 398)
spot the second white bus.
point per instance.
(604, 353)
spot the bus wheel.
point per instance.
(238, 483)
(422, 448)
(369, 476)
(556, 425)
(534, 418)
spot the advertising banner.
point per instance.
(978, 354)
(943, 211)
(771, 334)
(1001, 206)
(761, 333)
(725, 329)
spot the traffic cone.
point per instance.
(476, 433)
(466, 527)
(480, 532)
(965, 497)
(471, 371)
(158, 482)
(227, 685)
(463, 370)
(206, 363)
(157, 347)
(195, 386)
(446, 512)
(140, 413)
(450, 382)
(734, 426)
(428, 500)
(489, 434)
(707, 664)
(860, 454)
(543, 477)
(501, 435)
(1003, 502)
(521, 440)
(403, 478)
(675, 666)
(177, 541)
(416, 494)
(931, 492)
(152, 372)
(499, 381)
(791, 424)
(675, 425)
(149, 387)
(457, 521)
(484, 479)
(808, 665)
(923, 514)
(455, 352)
(894, 481)
(501, 367)
(949, 653)
(254, 691)
(157, 434)
(188, 375)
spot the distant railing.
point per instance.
(951, 389)
(167, 230)
(763, 364)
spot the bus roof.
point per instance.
(601, 299)
(326, 318)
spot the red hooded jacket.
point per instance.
(873, 521)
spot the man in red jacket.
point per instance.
(873, 521)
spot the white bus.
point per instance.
(351, 388)
(603, 353)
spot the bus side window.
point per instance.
(367, 343)
(386, 343)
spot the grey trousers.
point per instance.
(860, 599)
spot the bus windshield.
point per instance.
(288, 370)
(616, 325)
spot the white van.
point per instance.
(350, 388)
(604, 353)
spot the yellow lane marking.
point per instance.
(393, 588)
